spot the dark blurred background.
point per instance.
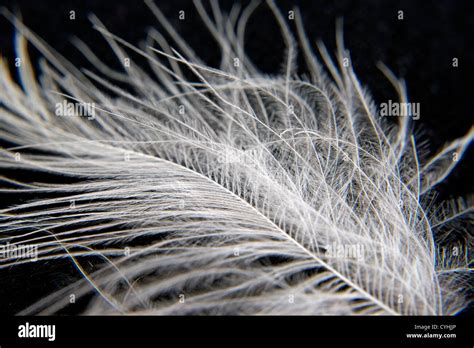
(419, 48)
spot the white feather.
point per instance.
(237, 193)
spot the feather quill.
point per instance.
(234, 193)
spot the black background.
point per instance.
(420, 49)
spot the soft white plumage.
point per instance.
(237, 194)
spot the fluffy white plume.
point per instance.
(235, 193)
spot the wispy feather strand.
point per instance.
(230, 194)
